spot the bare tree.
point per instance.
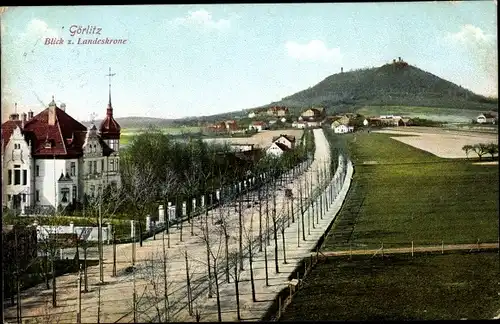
(139, 184)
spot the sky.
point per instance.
(193, 60)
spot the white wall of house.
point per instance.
(259, 128)
(46, 181)
(341, 129)
(274, 150)
(17, 171)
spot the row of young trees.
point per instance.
(218, 231)
(164, 176)
(481, 149)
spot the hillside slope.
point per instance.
(391, 84)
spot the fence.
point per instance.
(307, 264)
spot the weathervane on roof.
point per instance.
(109, 75)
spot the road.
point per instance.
(116, 295)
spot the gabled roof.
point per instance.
(7, 130)
(66, 137)
(59, 133)
(288, 137)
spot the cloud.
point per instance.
(315, 50)
(34, 34)
(482, 48)
(202, 19)
(38, 28)
(470, 34)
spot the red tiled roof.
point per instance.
(67, 135)
(109, 128)
(59, 133)
(257, 123)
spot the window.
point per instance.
(37, 170)
(9, 197)
(10, 177)
(73, 169)
(112, 165)
(92, 189)
(37, 195)
(25, 177)
(65, 195)
(24, 197)
(74, 193)
(116, 165)
(17, 177)
(102, 165)
(95, 166)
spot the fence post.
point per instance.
(350, 251)
(382, 249)
(478, 244)
(412, 250)
(442, 247)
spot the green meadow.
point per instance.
(127, 134)
(450, 286)
(401, 194)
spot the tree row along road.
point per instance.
(116, 295)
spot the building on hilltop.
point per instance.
(51, 160)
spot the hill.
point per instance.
(394, 84)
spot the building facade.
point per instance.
(52, 160)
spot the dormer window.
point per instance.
(48, 145)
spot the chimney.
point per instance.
(394, 61)
(63, 107)
(341, 70)
(23, 119)
(52, 112)
(399, 58)
(30, 115)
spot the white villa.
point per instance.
(51, 160)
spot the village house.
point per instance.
(51, 160)
(259, 126)
(486, 118)
(299, 124)
(317, 113)
(277, 149)
(287, 140)
(231, 125)
(342, 129)
(277, 111)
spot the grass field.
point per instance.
(128, 133)
(437, 114)
(451, 286)
(401, 194)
